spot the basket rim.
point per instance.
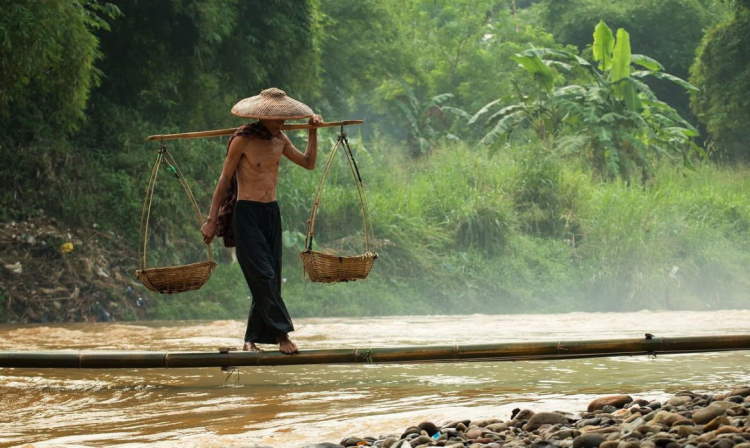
(211, 264)
(368, 254)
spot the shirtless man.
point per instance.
(253, 157)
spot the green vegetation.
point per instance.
(723, 104)
(518, 157)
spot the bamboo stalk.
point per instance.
(455, 353)
(230, 131)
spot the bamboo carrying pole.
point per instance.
(486, 352)
(230, 131)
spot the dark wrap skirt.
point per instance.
(257, 232)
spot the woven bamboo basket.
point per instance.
(328, 268)
(331, 268)
(174, 279)
(170, 279)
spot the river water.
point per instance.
(294, 405)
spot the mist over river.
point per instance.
(293, 405)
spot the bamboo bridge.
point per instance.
(518, 351)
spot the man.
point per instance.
(253, 157)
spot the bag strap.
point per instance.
(164, 156)
(340, 141)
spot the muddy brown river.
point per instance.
(294, 405)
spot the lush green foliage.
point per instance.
(549, 223)
(604, 113)
(723, 76)
(462, 232)
(667, 30)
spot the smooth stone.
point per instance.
(629, 444)
(667, 418)
(497, 427)
(461, 427)
(654, 405)
(727, 429)
(544, 418)
(608, 408)
(421, 440)
(685, 430)
(630, 426)
(484, 440)
(647, 429)
(743, 445)
(430, 427)
(737, 411)
(622, 413)
(715, 423)
(723, 404)
(387, 443)
(680, 400)
(323, 445)
(474, 433)
(588, 422)
(705, 415)
(523, 414)
(410, 430)
(486, 422)
(723, 443)
(610, 444)
(402, 444)
(565, 434)
(456, 422)
(353, 441)
(633, 417)
(588, 440)
(742, 391)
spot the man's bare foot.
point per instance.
(286, 346)
(251, 347)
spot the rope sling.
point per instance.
(171, 279)
(319, 266)
(329, 268)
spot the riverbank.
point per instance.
(686, 419)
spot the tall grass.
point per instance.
(463, 231)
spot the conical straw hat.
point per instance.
(271, 104)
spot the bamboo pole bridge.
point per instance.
(454, 353)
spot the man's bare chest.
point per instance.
(262, 155)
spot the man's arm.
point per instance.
(208, 229)
(306, 160)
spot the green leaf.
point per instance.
(604, 43)
(483, 111)
(503, 126)
(668, 77)
(647, 62)
(621, 57)
(506, 111)
(533, 64)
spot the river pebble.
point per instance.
(687, 419)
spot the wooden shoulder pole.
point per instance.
(230, 131)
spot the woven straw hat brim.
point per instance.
(271, 104)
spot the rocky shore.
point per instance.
(686, 419)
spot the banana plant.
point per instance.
(601, 110)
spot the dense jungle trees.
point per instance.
(532, 220)
(722, 72)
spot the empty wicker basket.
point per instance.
(170, 279)
(331, 268)
(173, 279)
(328, 268)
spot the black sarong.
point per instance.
(257, 231)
